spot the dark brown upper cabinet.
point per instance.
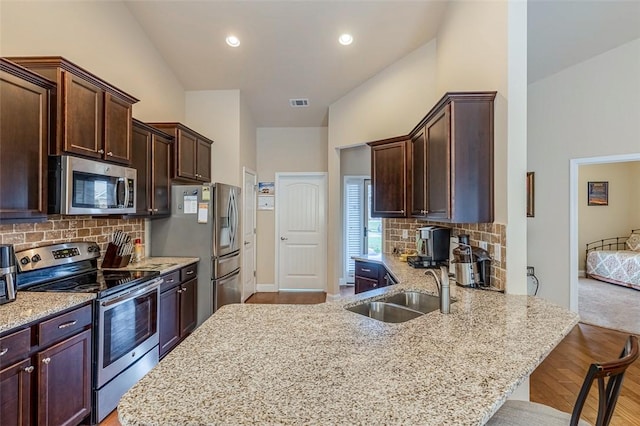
(452, 169)
(151, 157)
(191, 154)
(24, 139)
(389, 162)
(448, 164)
(92, 118)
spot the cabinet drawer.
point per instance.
(367, 270)
(15, 346)
(64, 325)
(170, 280)
(188, 272)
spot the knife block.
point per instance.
(112, 260)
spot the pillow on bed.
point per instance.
(633, 242)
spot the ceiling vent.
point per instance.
(299, 103)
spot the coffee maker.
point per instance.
(7, 274)
(432, 245)
(472, 264)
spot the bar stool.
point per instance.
(514, 413)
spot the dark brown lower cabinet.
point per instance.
(64, 381)
(370, 276)
(178, 307)
(51, 384)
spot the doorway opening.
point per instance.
(362, 233)
(577, 237)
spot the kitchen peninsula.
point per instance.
(321, 364)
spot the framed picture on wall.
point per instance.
(598, 193)
(531, 194)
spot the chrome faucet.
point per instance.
(442, 283)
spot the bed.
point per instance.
(615, 260)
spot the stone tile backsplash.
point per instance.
(61, 229)
(492, 233)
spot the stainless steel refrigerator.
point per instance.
(205, 223)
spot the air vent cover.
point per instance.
(299, 103)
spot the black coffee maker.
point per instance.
(8, 287)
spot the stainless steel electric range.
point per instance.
(125, 314)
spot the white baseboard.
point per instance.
(266, 288)
(333, 297)
(581, 273)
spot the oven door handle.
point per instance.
(132, 294)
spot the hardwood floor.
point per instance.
(555, 382)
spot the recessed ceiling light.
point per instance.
(233, 41)
(345, 39)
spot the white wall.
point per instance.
(291, 149)
(103, 38)
(389, 104)
(588, 110)
(618, 217)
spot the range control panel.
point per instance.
(56, 254)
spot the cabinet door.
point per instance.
(141, 161)
(186, 149)
(188, 306)
(418, 174)
(15, 394)
(64, 381)
(203, 159)
(117, 129)
(24, 116)
(169, 325)
(438, 166)
(365, 284)
(82, 117)
(389, 179)
(161, 181)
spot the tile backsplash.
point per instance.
(494, 234)
(62, 229)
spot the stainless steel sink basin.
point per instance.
(420, 302)
(385, 312)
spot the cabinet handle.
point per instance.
(170, 280)
(190, 272)
(366, 270)
(150, 210)
(47, 360)
(375, 285)
(402, 211)
(155, 210)
(68, 324)
(29, 369)
(179, 290)
(184, 289)
(4, 351)
(101, 151)
(110, 154)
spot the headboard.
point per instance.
(612, 244)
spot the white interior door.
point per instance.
(249, 182)
(301, 231)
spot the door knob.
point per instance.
(246, 243)
(283, 238)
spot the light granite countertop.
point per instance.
(31, 306)
(163, 265)
(321, 364)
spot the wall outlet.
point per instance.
(497, 252)
(530, 271)
(483, 245)
(405, 234)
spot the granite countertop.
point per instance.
(31, 306)
(321, 364)
(163, 265)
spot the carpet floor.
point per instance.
(609, 305)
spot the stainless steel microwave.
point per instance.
(81, 186)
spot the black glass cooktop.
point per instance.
(103, 283)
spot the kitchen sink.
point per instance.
(386, 312)
(416, 301)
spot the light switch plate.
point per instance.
(483, 245)
(405, 234)
(497, 254)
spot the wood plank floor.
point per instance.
(555, 382)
